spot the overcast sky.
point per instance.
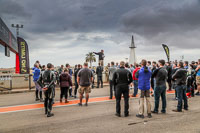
(64, 31)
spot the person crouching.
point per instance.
(65, 83)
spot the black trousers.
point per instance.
(48, 101)
(112, 87)
(70, 91)
(93, 83)
(152, 83)
(122, 89)
(63, 92)
(36, 94)
(76, 88)
(169, 81)
(99, 79)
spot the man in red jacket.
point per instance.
(135, 80)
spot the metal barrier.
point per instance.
(3, 78)
(22, 81)
(15, 81)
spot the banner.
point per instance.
(7, 38)
(166, 48)
(23, 56)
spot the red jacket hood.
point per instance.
(135, 70)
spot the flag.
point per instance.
(23, 56)
(166, 48)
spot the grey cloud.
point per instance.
(163, 16)
(67, 25)
(173, 22)
(77, 15)
(13, 9)
(147, 17)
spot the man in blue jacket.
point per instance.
(36, 75)
(144, 76)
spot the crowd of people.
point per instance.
(181, 76)
(46, 79)
(146, 79)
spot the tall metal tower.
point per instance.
(17, 26)
(132, 58)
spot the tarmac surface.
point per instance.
(98, 117)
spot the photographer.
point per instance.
(101, 56)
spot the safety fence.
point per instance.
(15, 81)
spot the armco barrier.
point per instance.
(20, 81)
(5, 78)
(16, 81)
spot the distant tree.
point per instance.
(90, 57)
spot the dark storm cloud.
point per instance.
(146, 17)
(77, 15)
(92, 25)
(12, 9)
(164, 16)
(173, 21)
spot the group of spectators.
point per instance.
(153, 79)
(45, 80)
(181, 76)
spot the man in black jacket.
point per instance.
(160, 76)
(180, 77)
(47, 82)
(169, 79)
(122, 78)
(174, 69)
(101, 56)
(152, 78)
(75, 76)
(99, 72)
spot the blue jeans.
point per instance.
(135, 82)
(181, 94)
(154, 84)
(160, 91)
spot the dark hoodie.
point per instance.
(65, 80)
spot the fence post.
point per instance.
(29, 81)
(10, 82)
